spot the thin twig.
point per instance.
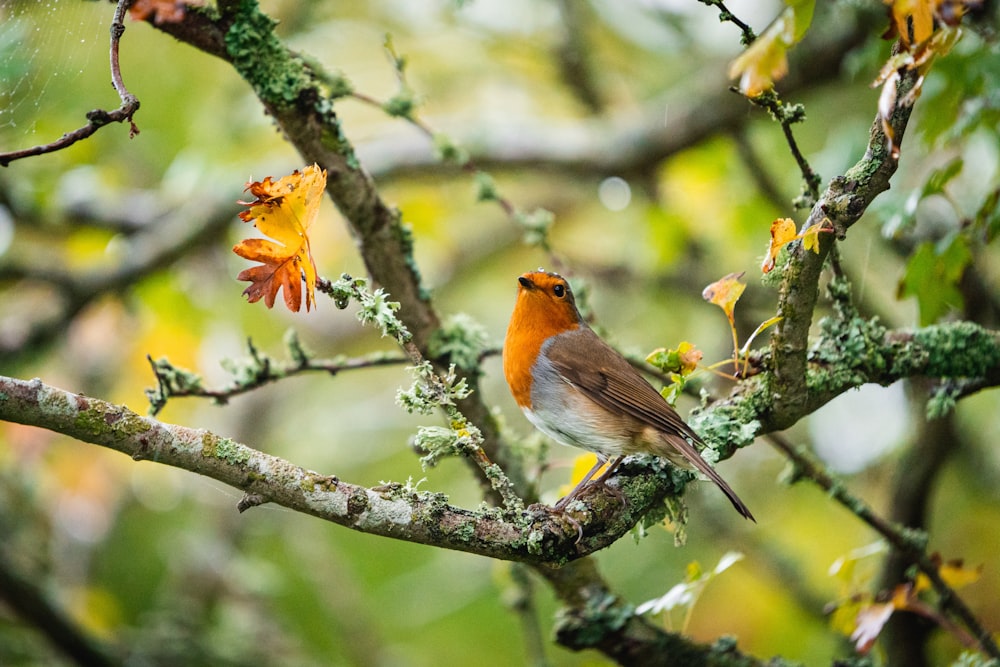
(748, 35)
(787, 115)
(267, 372)
(449, 152)
(97, 118)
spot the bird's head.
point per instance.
(546, 301)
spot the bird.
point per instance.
(580, 391)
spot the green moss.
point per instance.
(224, 449)
(90, 421)
(960, 349)
(278, 77)
(101, 418)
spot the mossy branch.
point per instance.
(841, 205)
(535, 534)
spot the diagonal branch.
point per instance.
(534, 535)
(842, 204)
(545, 539)
(294, 94)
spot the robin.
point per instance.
(577, 389)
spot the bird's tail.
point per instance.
(692, 456)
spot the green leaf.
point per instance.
(941, 176)
(932, 277)
(987, 220)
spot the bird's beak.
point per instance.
(525, 282)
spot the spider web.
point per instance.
(51, 52)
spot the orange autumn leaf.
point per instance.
(159, 11)
(284, 211)
(782, 231)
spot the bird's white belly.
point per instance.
(570, 427)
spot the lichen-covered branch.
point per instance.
(841, 205)
(253, 372)
(852, 351)
(535, 535)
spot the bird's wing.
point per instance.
(610, 381)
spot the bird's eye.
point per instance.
(559, 291)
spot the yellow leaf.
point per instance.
(844, 617)
(918, 13)
(764, 61)
(284, 210)
(725, 292)
(810, 235)
(956, 575)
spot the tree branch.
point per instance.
(548, 540)
(842, 204)
(534, 535)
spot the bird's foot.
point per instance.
(570, 497)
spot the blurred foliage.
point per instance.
(159, 563)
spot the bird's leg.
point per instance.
(607, 473)
(611, 469)
(600, 480)
(576, 489)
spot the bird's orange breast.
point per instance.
(535, 319)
